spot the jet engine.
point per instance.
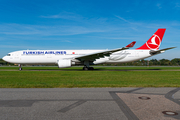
(64, 63)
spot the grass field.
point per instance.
(53, 77)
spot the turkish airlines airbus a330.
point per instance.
(68, 58)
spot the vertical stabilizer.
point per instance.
(154, 42)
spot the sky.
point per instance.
(87, 24)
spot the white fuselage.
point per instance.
(52, 56)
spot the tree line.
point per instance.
(152, 62)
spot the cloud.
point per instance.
(67, 41)
(131, 25)
(18, 47)
(64, 15)
(58, 30)
(52, 16)
(177, 5)
(159, 5)
(122, 19)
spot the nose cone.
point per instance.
(4, 58)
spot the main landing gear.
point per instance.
(88, 68)
(20, 68)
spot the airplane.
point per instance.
(68, 58)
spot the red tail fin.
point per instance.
(154, 42)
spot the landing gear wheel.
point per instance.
(88, 68)
(91, 68)
(20, 67)
(85, 68)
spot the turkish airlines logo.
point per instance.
(154, 42)
(131, 45)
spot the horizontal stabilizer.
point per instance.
(152, 52)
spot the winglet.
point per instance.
(131, 44)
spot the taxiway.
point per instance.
(90, 103)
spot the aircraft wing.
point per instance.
(160, 51)
(93, 56)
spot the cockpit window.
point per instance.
(8, 54)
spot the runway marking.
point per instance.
(16, 103)
(149, 109)
(130, 91)
(29, 103)
(126, 110)
(170, 94)
(72, 106)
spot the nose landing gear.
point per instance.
(20, 67)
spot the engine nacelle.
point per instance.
(64, 63)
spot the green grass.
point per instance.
(52, 77)
(96, 67)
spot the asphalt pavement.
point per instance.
(90, 104)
